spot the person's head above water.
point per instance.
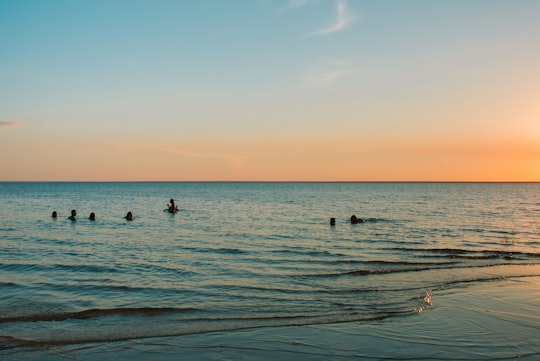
(332, 221)
(129, 216)
(172, 208)
(54, 214)
(92, 216)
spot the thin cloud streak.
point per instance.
(343, 20)
(10, 124)
(330, 71)
(235, 161)
(330, 77)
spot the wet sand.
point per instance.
(506, 313)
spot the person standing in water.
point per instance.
(355, 220)
(172, 208)
(73, 216)
(129, 216)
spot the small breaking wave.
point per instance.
(187, 327)
(93, 313)
(458, 253)
(61, 267)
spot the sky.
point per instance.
(269, 90)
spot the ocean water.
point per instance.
(253, 255)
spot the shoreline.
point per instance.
(497, 320)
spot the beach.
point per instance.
(457, 326)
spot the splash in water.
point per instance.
(426, 302)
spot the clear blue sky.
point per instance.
(270, 84)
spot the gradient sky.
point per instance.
(320, 90)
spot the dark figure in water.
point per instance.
(73, 216)
(355, 220)
(92, 216)
(172, 208)
(332, 221)
(129, 216)
(54, 214)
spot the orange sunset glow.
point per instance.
(277, 91)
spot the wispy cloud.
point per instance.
(330, 71)
(235, 161)
(329, 77)
(343, 19)
(10, 124)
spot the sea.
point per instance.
(256, 255)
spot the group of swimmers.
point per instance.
(171, 208)
(354, 220)
(92, 217)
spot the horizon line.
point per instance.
(264, 181)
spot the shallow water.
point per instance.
(249, 255)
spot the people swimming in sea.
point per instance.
(92, 216)
(172, 208)
(54, 214)
(355, 220)
(73, 216)
(129, 216)
(332, 221)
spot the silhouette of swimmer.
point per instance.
(355, 220)
(332, 221)
(54, 214)
(129, 216)
(172, 208)
(73, 216)
(92, 216)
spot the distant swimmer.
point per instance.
(172, 208)
(92, 216)
(332, 221)
(355, 220)
(54, 214)
(129, 216)
(73, 216)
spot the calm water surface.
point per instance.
(241, 255)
